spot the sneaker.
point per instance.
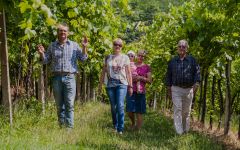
(120, 132)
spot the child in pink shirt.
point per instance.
(134, 72)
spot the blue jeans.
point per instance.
(64, 90)
(117, 95)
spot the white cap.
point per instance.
(131, 52)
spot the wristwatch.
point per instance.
(130, 86)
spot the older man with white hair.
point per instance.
(182, 80)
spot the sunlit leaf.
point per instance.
(24, 6)
(235, 34)
(36, 3)
(72, 13)
(46, 10)
(30, 33)
(71, 4)
(50, 21)
(26, 48)
(228, 56)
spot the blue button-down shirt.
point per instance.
(183, 73)
(63, 58)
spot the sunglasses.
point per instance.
(130, 55)
(61, 30)
(141, 56)
(116, 44)
(182, 46)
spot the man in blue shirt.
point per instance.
(63, 55)
(183, 77)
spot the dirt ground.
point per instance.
(230, 141)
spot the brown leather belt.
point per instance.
(62, 73)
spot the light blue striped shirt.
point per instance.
(63, 58)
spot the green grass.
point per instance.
(93, 130)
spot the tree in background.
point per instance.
(5, 79)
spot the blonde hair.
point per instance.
(142, 52)
(118, 39)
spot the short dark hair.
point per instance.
(63, 24)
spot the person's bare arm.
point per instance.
(41, 51)
(129, 78)
(147, 79)
(84, 45)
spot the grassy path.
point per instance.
(93, 130)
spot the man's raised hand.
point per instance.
(40, 49)
(85, 41)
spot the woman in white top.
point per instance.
(118, 80)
